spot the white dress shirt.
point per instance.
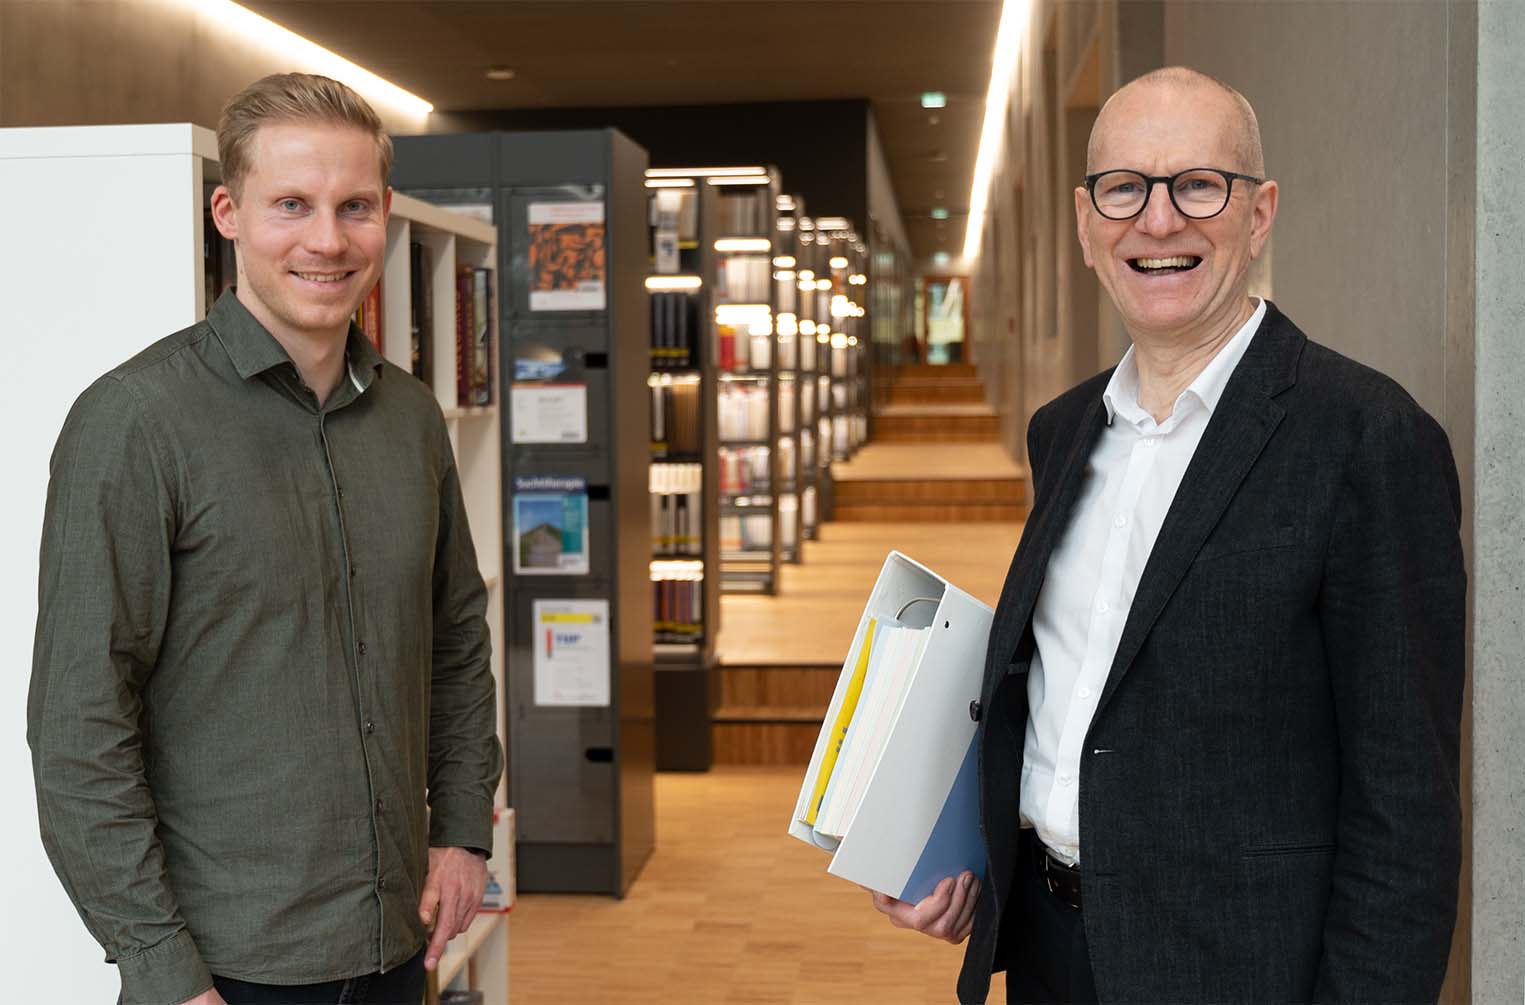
(1130, 482)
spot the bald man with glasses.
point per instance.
(1219, 727)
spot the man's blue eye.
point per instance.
(290, 204)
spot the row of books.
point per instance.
(742, 410)
(368, 316)
(679, 614)
(744, 278)
(674, 418)
(738, 351)
(744, 471)
(746, 532)
(677, 492)
(474, 300)
(675, 331)
(745, 212)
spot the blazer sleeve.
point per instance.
(1392, 609)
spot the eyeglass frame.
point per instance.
(1150, 181)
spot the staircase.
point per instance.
(934, 480)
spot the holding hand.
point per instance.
(946, 913)
(207, 997)
(452, 894)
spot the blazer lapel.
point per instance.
(1238, 431)
(1031, 563)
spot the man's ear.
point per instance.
(1082, 219)
(223, 214)
(1262, 215)
(386, 203)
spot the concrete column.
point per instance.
(1498, 564)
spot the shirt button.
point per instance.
(1084, 692)
(352, 571)
(362, 648)
(370, 727)
(1119, 521)
(378, 806)
(1148, 441)
(381, 884)
(1066, 780)
(1103, 607)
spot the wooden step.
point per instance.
(926, 392)
(934, 371)
(936, 513)
(912, 491)
(900, 426)
(771, 714)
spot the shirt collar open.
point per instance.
(1121, 395)
(253, 350)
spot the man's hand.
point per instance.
(207, 997)
(452, 893)
(946, 913)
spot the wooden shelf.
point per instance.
(471, 412)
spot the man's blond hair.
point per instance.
(287, 98)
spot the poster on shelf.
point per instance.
(550, 525)
(549, 413)
(566, 256)
(572, 652)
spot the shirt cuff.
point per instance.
(460, 821)
(166, 974)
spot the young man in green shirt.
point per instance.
(262, 711)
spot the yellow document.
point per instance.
(839, 728)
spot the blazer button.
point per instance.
(975, 710)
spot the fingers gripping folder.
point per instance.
(892, 787)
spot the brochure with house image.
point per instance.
(550, 525)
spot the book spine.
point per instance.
(463, 337)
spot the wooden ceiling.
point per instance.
(594, 53)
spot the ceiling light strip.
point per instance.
(704, 172)
(1008, 40)
(289, 46)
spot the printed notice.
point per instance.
(550, 525)
(572, 652)
(550, 413)
(566, 256)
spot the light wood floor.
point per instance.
(814, 615)
(730, 909)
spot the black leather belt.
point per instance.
(1061, 880)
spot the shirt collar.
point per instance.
(254, 350)
(1121, 395)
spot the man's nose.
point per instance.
(325, 235)
(1160, 217)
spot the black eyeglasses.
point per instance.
(1198, 193)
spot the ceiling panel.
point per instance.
(592, 53)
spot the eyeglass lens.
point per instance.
(1120, 195)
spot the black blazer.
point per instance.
(1269, 805)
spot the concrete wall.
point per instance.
(88, 62)
(1498, 566)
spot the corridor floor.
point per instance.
(729, 909)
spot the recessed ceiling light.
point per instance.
(934, 99)
(500, 73)
(939, 212)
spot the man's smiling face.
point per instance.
(310, 224)
(1168, 274)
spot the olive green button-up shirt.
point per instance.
(261, 641)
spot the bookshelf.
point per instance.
(792, 434)
(571, 215)
(844, 292)
(139, 193)
(813, 282)
(685, 488)
(742, 235)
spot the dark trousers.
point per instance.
(402, 986)
(1050, 961)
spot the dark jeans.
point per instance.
(1051, 962)
(402, 986)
